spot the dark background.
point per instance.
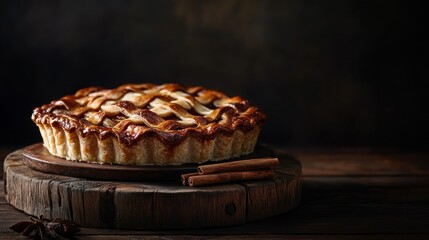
(327, 73)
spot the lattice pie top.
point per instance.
(170, 111)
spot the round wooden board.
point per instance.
(149, 205)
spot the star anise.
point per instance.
(40, 228)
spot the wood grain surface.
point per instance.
(150, 205)
(356, 205)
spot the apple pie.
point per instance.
(147, 124)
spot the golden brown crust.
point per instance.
(148, 151)
(168, 116)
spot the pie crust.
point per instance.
(147, 124)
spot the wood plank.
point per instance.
(345, 150)
(347, 190)
(13, 236)
(256, 237)
(360, 163)
(328, 190)
(354, 219)
(307, 219)
(369, 181)
(351, 219)
(310, 218)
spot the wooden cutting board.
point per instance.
(148, 204)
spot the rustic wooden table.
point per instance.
(347, 194)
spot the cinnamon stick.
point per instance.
(185, 177)
(236, 166)
(200, 180)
